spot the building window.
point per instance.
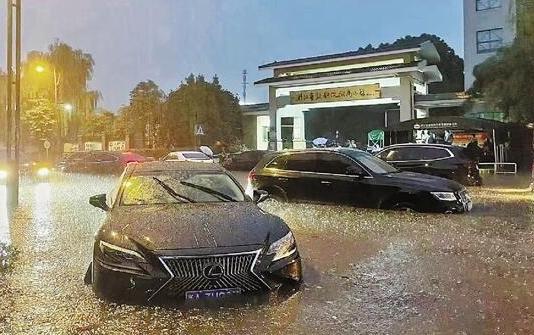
(488, 4)
(489, 40)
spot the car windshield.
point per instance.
(372, 163)
(182, 187)
(195, 155)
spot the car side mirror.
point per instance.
(99, 201)
(260, 196)
(355, 171)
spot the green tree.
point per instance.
(144, 113)
(40, 119)
(197, 101)
(504, 81)
(98, 124)
(451, 65)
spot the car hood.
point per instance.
(180, 226)
(422, 182)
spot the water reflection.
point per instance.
(42, 210)
(4, 222)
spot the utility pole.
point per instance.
(9, 81)
(13, 118)
(245, 83)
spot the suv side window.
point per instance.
(279, 163)
(434, 153)
(332, 163)
(397, 154)
(103, 157)
(302, 162)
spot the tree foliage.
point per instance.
(451, 65)
(504, 81)
(144, 113)
(40, 119)
(197, 101)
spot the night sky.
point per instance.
(165, 40)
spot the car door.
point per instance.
(436, 162)
(302, 181)
(405, 158)
(339, 179)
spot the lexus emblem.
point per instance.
(213, 271)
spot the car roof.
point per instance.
(188, 152)
(336, 149)
(438, 145)
(169, 166)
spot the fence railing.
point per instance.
(498, 168)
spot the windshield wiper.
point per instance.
(172, 192)
(210, 191)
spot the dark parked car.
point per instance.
(98, 161)
(354, 177)
(186, 231)
(440, 160)
(244, 161)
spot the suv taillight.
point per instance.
(252, 176)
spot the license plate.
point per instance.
(212, 294)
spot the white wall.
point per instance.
(502, 17)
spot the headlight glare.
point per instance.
(284, 247)
(444, 196)
(43, 172)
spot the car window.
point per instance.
(332, 163)
(103, 157)
(372, 163)
(434, 153)
(279, 162)
(398, 154)
(306, 162)
(76, 156)
(145, 190)
(195, 155)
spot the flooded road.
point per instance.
(366, 271)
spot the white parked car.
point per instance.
(188, 156)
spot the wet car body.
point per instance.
(98, 162)
(440, 160)
(188, 251)
(356, 178)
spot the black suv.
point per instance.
(440, 160)
(353, 177)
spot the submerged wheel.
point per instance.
(404, 207)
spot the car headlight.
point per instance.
(444, 196)
(115, 255)
(43, 172)
(3, 174)
(284, 247)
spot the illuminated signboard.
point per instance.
(360, 92)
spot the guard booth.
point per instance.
(508, 145)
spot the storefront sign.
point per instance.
(91, 146)
(359, 92)
(437, 125)
(117, 146)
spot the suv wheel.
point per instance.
(404, 207)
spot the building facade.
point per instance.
(488, 26)
(340, 96)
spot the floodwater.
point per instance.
(366, 271)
